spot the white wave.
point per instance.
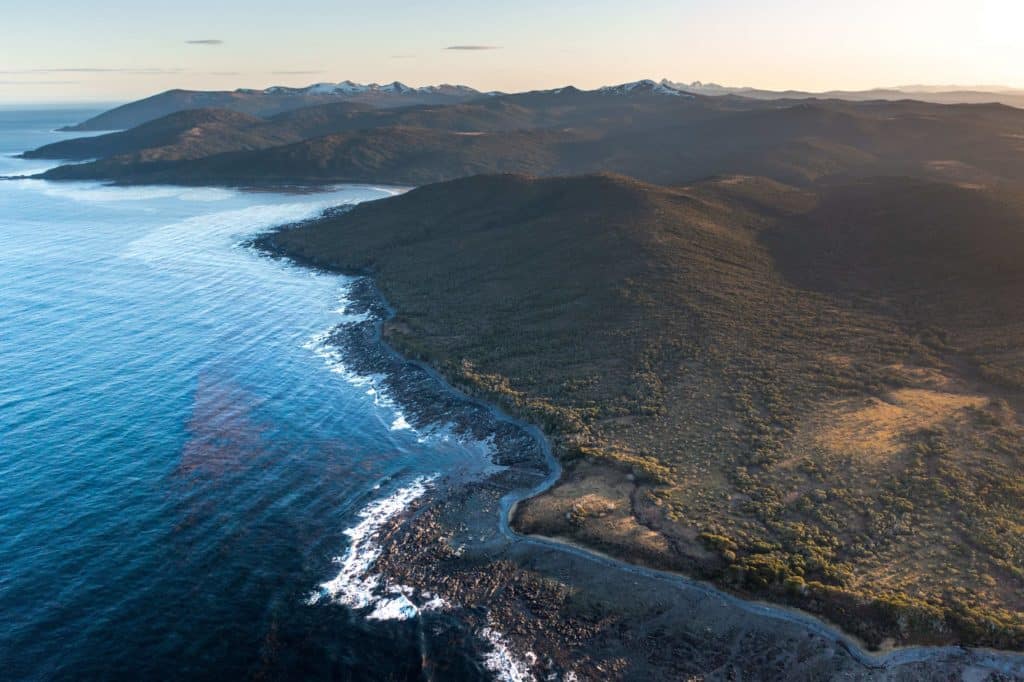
(320, 344)
(397, 607)
(434, 602)
(333, 357)
(344, 304)
(354, 586)
(400, 424)
(502, 662)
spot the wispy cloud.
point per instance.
(39, 82)
(473, 47)
(13, 72)
(205, 41)
(296, 73)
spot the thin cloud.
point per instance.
(295, 73)
(12, 72)
(205, 41)
(473, 47)
(40, 82)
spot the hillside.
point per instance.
(214, 131)
(273, 100)
(640, 132)
(402, 156)
(797, 393)
(937, 94)
(565, 109)
(183, 135)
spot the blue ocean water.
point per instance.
(179, 459)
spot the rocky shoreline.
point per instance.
(564, 612)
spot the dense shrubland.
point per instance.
(807, 395)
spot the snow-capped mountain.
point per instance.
(277, 99)
(645, 86)
(350, 88)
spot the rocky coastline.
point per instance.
(562, 611)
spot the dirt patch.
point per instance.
(876, 428)
(592, 503)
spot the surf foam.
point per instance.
(320, 344)
(354, 585)
(502, 662)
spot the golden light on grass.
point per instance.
(879, 428)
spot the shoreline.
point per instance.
(367, 296)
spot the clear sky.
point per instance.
(108, 50)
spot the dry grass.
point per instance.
(878, 428)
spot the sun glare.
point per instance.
(1002, 22)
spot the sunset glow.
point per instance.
(62, 50)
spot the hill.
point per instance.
(273, 100)
(183, 135)
(401, 156)
(797, 393)
(222, 130)
(562, 109)
(638, 132)
(949, 94)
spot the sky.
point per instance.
(118, 50)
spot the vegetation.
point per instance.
(260, 103)
(663, 139)
(183, 135)
(808, 394)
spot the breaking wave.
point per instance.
(354, 585)
(502, 662)
(333, 356)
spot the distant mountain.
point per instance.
(646, 87)
(182, 135)
(630, 105)
(394, 155)
(641, 131)
(188, 134)
(950, 94)
(350, 89)
(274, 100)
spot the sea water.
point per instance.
(191, 483)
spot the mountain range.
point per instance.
(273, 100)
(645, 129)
(946, 94)
(277, 99)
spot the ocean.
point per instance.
(191, 481)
